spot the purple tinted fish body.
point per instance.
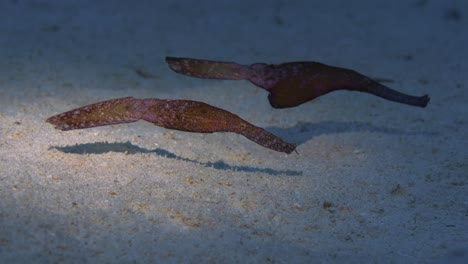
(293, 83)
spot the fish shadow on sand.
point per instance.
(305, 131)
(299, 134)
(129, 148)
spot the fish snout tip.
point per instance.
(425, 99)
(174, 64)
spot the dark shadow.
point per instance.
(300, 133)
(303, 132)
(129, 148)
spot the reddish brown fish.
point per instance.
(181, 115)
(293, 83)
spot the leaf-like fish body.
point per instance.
(184, 115)
(293, 83)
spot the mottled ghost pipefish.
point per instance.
(293, 83)
(184, 115)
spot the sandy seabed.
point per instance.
(374, 181)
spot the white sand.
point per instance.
(374, 180)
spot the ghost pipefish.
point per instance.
(183, 115)
(293, 83)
